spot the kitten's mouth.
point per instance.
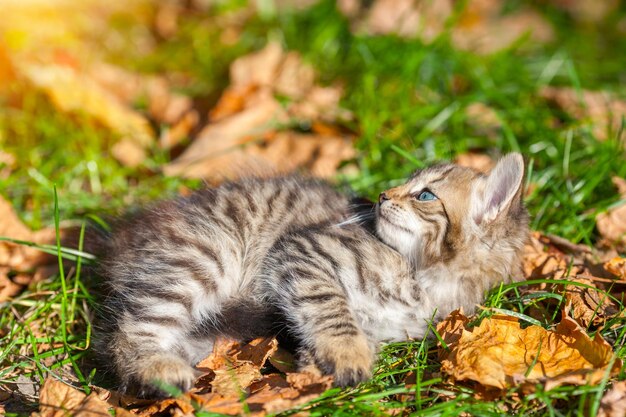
(385, 219)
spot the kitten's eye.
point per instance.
(426, 196)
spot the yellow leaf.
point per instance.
(499, 354)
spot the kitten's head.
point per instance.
(447, 211)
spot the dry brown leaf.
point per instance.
(235, 373)
(257, 351)
(279, 395)
(617, 267)
(612, 223)
(613, 404)
(234, 367)
(218, 404)
(172, 136)
(219, 357)
(14, 257)
(71, 91)
(164, 105)
(588, 10)
(232, 382)
(540, 262)
(483, 29)
(321, 155)
(242, 136)
(483, 118)
(57, 399)
(482, 26)
(477, 161)
(499, 354)
(171, 110)
(601, 109)
(128, 152)
(169, 407)
(232, 101)
(295, 78)
(588, 306)
(227, 136)
(424, 19)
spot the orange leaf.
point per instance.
(57, 399)
(499, 353)
(617, 267)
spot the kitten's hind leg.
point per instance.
(320, 318)
(151, 352)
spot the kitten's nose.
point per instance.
(382, 197)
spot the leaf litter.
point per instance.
(232, 382)
(20, 265)
(250, 129)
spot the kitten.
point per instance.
(293, 256)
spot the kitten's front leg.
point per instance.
(318, 310)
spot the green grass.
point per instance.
(409, 110)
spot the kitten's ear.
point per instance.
(501, 188)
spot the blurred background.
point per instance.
(121, 102)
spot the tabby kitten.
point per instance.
(292, 256)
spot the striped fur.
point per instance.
(293, 257)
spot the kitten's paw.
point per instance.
(349, 360)
(160, 373)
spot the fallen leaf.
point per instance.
(540, 262)
(234, 367)
(483, 26)
(163, 105)
(57, 399)
(71, 91)
(409, 18)
(477, 161)
(600, 109)
(227, 136)
(588, 10)
(278, 395)
(588, 306)
(216, 403)
(232, 381)
(499, 353)
(234, 377)
(169, 406)
(294, 79)
(19, 258)
(219, 357)
(452, 327)
(128, 152)
(612, 223)
(257, 351)
(258, 68)
(483, 119)
(247, 133)
(320, 154)
(613, 404)
(617, 267)
(172, 136)
(232, 101)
